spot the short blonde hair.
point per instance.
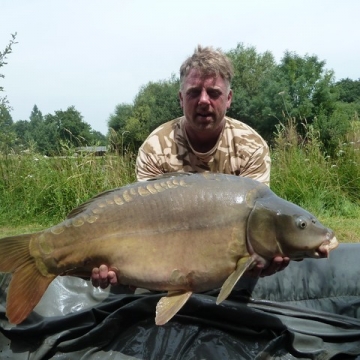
(210, 62)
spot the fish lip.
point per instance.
(325, 247)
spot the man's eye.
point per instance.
(214, 94)
(193, 93)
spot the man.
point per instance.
(204, 139)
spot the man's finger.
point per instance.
(95, 277)
(112, 278)
(103, 276)
(284, 263)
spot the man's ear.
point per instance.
(181, 99)
(229, 99)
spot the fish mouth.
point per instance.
(324, 249)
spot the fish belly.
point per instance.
(182, 260)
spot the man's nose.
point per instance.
(204, 97)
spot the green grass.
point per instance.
(304, 174)
(40, 190)
(347, 230)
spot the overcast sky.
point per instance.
(97, 54)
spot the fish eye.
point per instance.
(301, 223)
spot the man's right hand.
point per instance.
(103, 277)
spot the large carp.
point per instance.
(181, 234)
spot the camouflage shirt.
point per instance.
(240, 150)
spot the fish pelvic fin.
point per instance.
(169, 305)
(242, 265)
(27, 285)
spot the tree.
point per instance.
(7, 133)
(70, 126)
(299, 88)
(251, 70)
(349, 90)
(3, 56)
(47, 137)
(98, 138)
(35, 132)
(332, 129)
(45, 134)
(36, 117)
(64, 127)
(156, 103)
(23, 133)
(117, 121)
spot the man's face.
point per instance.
(204, 101)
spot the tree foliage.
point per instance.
(7, 134)
(251, 71)
(156, 103)
(3, 57)
(52, 133)
(349, 90)
(117, 121)
(70, 126)
(300, 88)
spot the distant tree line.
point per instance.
(52, 134)
(266, 95)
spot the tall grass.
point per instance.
(37, 189)
(305, 175)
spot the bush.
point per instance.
(303, 174)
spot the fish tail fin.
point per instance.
(27, 285)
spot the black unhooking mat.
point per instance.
(311, 310)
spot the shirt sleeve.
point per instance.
(147, 165)
(258, 166)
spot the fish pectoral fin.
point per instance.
(169, 305)
(242, 265)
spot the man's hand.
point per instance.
(277, 264)
(103, 277)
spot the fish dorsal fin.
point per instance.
(242, 265)
(169, 305)
(83, 207)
